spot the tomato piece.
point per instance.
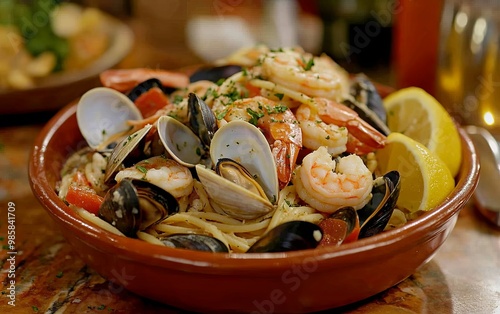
(80, 179)
(85, 198)
(151, 101)
(353, 236)
(252, 90)
(334, 231)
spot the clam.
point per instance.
(133, 205)
(188, 145)
(102, 114)
(128, 151)
(198, 242)
(180, 142)
(244, 143)
(244, 184)
(289, 236)
(233, 191)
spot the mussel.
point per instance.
(198, 242)
(365, 92)
(143, 87)
(373, 217)
(102, 114)
(214, 73)
(289, 236)
(367, 103)
(133, 205)
(202, 119)
(342, 226)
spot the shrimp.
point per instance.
(305, 73)
(327, 185)
(316, 133)
(363, 138)
(162, 172)
(278, 124)
(125, 79)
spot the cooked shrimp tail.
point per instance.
(363, 137)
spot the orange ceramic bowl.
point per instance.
(300, 281)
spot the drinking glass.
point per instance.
(468, 72)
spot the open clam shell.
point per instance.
(129, 148)
(244, 143)
(102, 116)
(230, 198)
(181, 143)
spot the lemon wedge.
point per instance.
(425, 179)
(418, 115)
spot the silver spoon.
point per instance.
(487, 193)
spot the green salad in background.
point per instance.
(40, 37)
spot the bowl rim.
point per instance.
(376, 246)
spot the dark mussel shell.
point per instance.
(349, 215)
(342, 226)
(214, 74)
(201, 119)
(366, 93)
(368, 104)
(289, 236)
(132, 205)
(197, 242)
(375, 215)
(143, 87)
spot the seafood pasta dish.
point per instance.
(268, 151)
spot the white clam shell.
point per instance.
(181, 143)
(245, 144)
(102, 113)
(230, 198)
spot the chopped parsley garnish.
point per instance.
(308, 64)
(220, 81)
(255, 116)
(279, 96)
(59, 274)
(178, 99)
(141, 169)
(221, 114)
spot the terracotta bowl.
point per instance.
(300, 281)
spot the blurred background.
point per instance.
(447, 47)
(361, 35)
